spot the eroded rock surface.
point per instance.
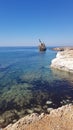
(58, 119)
(64, 60)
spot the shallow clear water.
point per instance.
(27, 82)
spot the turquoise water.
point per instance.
(27, 82)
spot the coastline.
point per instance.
(63, 60)
(58, 119)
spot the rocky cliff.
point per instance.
(64, 60)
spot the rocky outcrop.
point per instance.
(58, 119)
(62, 48)
(58, 49)
(64, 60)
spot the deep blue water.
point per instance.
(27, 81)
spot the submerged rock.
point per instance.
(29, 111)
(48, 102)
(45, 107)
(36, 109)
(8, 117)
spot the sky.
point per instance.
(23, 22)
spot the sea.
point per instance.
(28, 84)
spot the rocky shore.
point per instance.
(63, 60)
(58, 119)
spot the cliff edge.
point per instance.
(63, 60)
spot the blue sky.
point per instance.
(23, 22)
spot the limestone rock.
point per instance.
(58, 119)
(63, 61)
